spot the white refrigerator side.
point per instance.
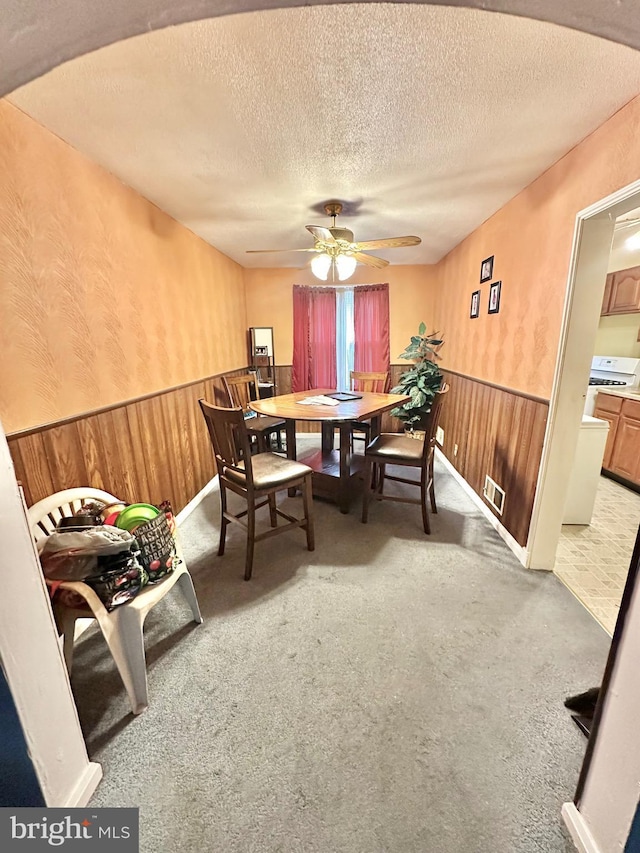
(585, 475)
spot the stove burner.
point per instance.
(593, 381)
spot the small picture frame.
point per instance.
(474, 311)
(494, 297)
(486, 270)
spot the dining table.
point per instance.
(334, 471)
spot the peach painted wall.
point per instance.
(103, 297)
(531, 238)
(411, 299)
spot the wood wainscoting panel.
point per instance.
(499, 432)
(283, 379)
(150, 449)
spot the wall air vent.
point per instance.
(493, 494)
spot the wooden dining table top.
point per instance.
(288, 406)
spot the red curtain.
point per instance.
(300, 371)
(314, 338)
(322, 337)
(371, 323)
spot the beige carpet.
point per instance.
(389, 692)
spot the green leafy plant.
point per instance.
(422, 381)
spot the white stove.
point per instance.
(610, 372)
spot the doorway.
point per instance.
(592, 241)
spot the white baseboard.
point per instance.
(194, 502)
(521, 553)
(578, 829)
(84, 788)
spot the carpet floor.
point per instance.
(387, 692)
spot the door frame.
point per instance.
(592, 238)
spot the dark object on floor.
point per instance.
(584, 703)
(583, 723)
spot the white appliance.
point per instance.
(585, 476)
(610, 372)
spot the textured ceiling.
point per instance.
(425, 119)
(38, 35)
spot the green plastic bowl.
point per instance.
(136, 514)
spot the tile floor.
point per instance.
(593, 560)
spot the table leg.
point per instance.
(376, 423)
(290, 430)
(345, 467)
(327, 436)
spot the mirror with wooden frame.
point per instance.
(262, 358)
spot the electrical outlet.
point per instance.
(455, 449)
(440, 436)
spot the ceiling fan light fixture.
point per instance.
(337, 253)
(346, 265)
(320, 266)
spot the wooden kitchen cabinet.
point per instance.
(606, 299)
(622, 451)
(611, 437)
(625, 456)
(622, 292)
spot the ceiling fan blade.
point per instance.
(370, 260)
(389, 243)
(321, 233)
(253, 251)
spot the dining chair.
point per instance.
(394, 449)
(257, 478)
(372, 382)
(260, 427)
(122, 627)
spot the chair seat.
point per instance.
(269, 471)
(264, 424)
(391, 447)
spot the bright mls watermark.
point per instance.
(114, 830)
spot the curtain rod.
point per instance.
(340, 286)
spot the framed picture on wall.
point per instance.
(486, 270)
(474, 311)
(494, 297)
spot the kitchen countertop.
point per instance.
(631, 392)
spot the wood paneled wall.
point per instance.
(157, 447)
(150, 449)
(498, 432)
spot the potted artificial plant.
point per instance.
(421, 382)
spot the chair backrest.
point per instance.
(229, 438)
(430, 423)
(433, 417)
(373, 382)
(45, 514)
(240, 388)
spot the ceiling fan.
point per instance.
(337, 252)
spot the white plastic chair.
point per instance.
(122, 627)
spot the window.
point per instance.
(337, 330)
(345, 338)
